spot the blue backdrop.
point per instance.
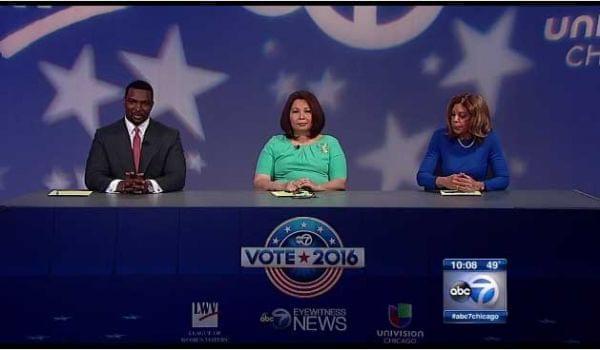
(221, 73)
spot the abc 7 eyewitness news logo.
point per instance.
(303, 257)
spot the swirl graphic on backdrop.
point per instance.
(363, 31)
(34, 31)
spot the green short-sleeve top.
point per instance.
(320, 161)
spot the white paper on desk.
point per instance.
(291, 194)
(458, 193)
(76, 193)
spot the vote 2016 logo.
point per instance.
(303, 257)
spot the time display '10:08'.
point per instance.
(474, 264)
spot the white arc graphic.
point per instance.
(26, 36)
(272, 11)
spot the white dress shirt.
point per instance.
(154, 187)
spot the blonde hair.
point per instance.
(481, 122)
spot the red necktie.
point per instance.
(137, 149)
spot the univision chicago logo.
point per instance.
(481, 290)
(400, 315)
(303, 257)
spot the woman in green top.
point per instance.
(302, 157)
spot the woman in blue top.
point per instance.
(459, 155)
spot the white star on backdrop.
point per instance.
(114, 336)
(175, 83)
(79, 172)
(78, 92)
(61, 318)
(399, 157)
(517, 166)
(431, 64)
(547, 321)
(270, 48)
(492, 339)
(37, 337)
(57, 179)
(328, 89)
(131, 317)
(194, 161)
(487, 58)
(284, 85)
(3, 171)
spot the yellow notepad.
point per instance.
(76, 193)
(459, 193)
(300, 194)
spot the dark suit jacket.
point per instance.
(111, 156)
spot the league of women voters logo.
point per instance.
(303, 257)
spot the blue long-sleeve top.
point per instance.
(473, 161)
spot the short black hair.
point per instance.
(318, 116)
(140, 85)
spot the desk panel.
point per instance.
(120, 270)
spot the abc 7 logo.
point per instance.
(279, 319)
(482, 290)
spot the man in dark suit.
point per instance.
(136, 154)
